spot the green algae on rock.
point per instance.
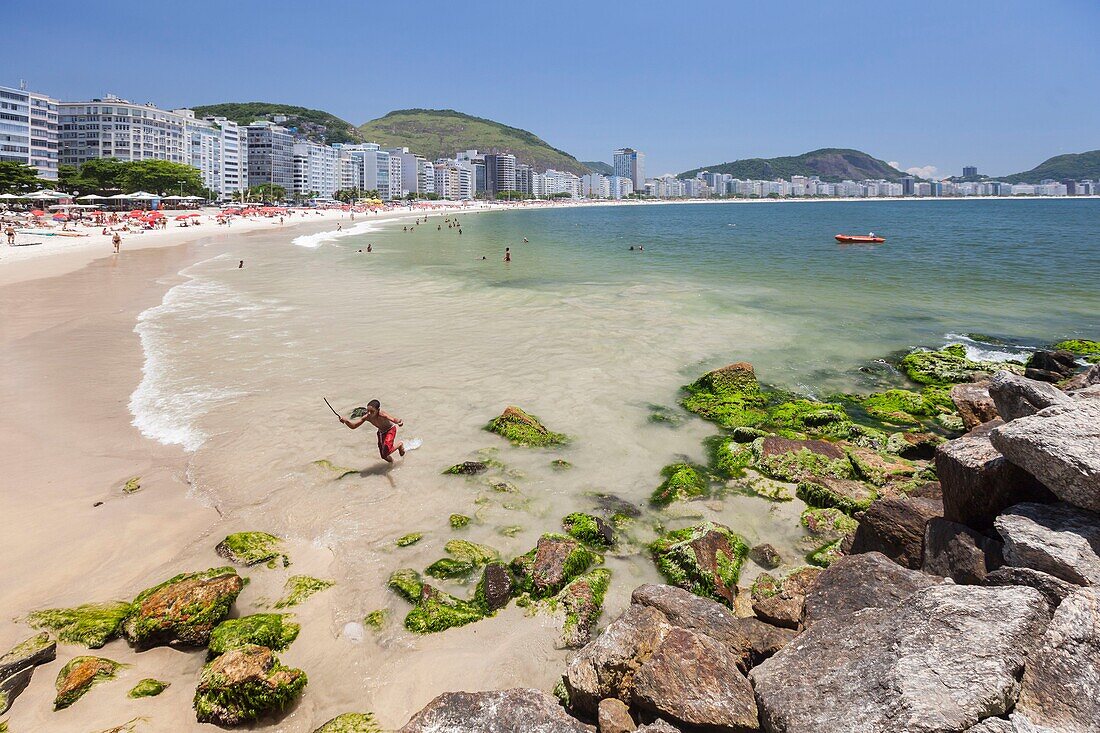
(375, 619)
(458, 521)
(879, 469)
(183, 609)
(846, 495)
(467, 468)
(682, 481)
(729, 396)
(274, 630)
(898, 405)
(78, 676)
(796, 460)
(495, 588)
(91, 624)
(949, 365)
(448, 568)
(661, 415)
(523, 429)
(728, 456)
(554, 562)
(705, 559)
(245, 684)
(560, 464)
(148, 687)
(471, 552)
(351, 723)
(589, 529)
(300, 587)
(252, 548)
(828, 523)
(409, 539)
(132, 485)
(826, 555)
(582, 602)
(1081, 347)
(437, 611)
(406, 583)
(770, 489)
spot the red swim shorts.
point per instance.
(385, 441)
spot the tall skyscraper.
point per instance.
(970, 171)
(29, 130)
(629, 163)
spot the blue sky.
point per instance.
(1002, 84)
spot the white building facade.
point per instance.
(29, 130)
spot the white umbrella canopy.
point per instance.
(92, 197)
(120, 196)
(142, 196)
(192, 198)
(9, 196)
(173, 198)
(47, 194)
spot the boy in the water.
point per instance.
(387, 428)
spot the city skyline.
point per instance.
(947, 86)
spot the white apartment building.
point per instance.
(29, 130)
(205, 150)
(270, 155)
(559, 182)
(315, 169)
(234, 173)
(373, 168)
(629, 163)
(595, 186)
(620, 187)
(116, 128)
(447, 181)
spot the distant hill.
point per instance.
(831, 164)
(597, 166)
(317, 125)
(440, 133)
(1061, 167)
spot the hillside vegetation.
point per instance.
(1061, 167)
(598, 166)
(436, 133)
(317, 125)
(831, 164)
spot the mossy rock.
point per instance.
(448, 568)
(375, 619)
(467, 468)
(274, 630)
(705, 559)
(523, 429)
(661, 415)
(848, 496)
(826, 555)
(797, 460)
(458, 521)
(300, 587)
(730, 396)
(79, 675)
(132, 486)
(555, 561)
(880, 469)
(91, 625)
(148, 687)
(183, 609)
(253, 548)
(560, 464)
(728, 457)
(406, 583)
(765, 586)
(510, 531)
(949, 365)
(794, 417)
(771, 489)
(471, 552)
(898, 405)
(682, 481)
(351, 723)
(589, 529)
(828, 523)
(437, 611)
(1081, 347)
(409, 539)
(952, 422)
(582, 603)
(245, 684)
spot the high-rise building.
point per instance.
(112, 127)
(908, 186)
(629, 163)
(500, 172)
(970, 171)
(316, 169)
(234, 173)
(29, 130)
(523, 178)
(270, 155)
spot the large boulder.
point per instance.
(955, 551)
(943, 661)
(245, 684)
(556, 560)
(1058, 539)
(693, 680)
(496, 711)
(1054, 590)
(704, 559)
(974, 403)
(1050, 366)
(780, 603)
(183, 610)
(614, 717)
(1089, 377)
(523, 429)
(789, 459)
(1017, 396)
(1060, 683)
(894, 526)
(978, 483)
(855, 582)
(1060, 446)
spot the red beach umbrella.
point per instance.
(37, 212)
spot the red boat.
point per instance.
(860, 239)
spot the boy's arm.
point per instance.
(353, 424)
(392, 419)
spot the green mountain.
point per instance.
(1061, 167)
(317, 125)
(440, 133)
(831, 164)
(597, 166)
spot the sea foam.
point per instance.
(981, 351)
(312, 241)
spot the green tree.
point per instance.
(163, 177)
(102, 176)
(18, 177)
(267, 192)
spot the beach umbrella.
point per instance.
(119, 196)
(92, 197)
(142, 196)
(60, 217)
(8, 196)
(37, 212)
(183, 217)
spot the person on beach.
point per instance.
(339, 227)
(370, 247)
(116, 241)
(387, 429)
(240, 265)
(11, 235)
(507, 254)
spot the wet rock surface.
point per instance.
(1017, 396)
(894, 526)
(955, 551)
(856, 582)
(1057, 539)
(245, 684)
(498, 711)
(184, 609)
(974, 403)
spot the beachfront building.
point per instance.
(620, 186)
(204, 149)
(270, 155)
(29, 130)
(500, 173)
(629, 163)
(316, 169)
(447, 180)
(595, 186)
(234, 162)
(112, 127)
(375, 170)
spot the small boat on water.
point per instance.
(860, 238)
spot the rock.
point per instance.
(467, 468)
(589, 528)
(855, 582)
(91, 624)
(1060, 446)
(765, 556)
(458, 521)
(407, 540)
(1057, 539)
(298, 588)
(913, 445)
(1059, 687)
(974, 403)
(183, 609)
(1058, 364)
(828, 524)
(523, 429)
(496, 711)
(729, 396)
(894, 526)
(786, 459)
(682, 481)
(245, 684)
(274, 630)
(949, 365)
(613, 716)
(494, 590)
(1054, 590)
(993, 725)
(148, 687)
(979, 483)
(705, 559)
(1087, 378)
(406, 583)
(659, 726)
(606, 667)
(437, 611)
(78, 676)
(750, 639)
(351, 723)
(1092, 392)
(955, 551)
(1017, 396)
(556, 560)
(38, 649)
(252, 548)
(847, 495)
(780, 604)
(942, 661)
(985, 428)
(582, 603)
(12, 685)
(877, 468)
(693, 680)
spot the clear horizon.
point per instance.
(930, 88)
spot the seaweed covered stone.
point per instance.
(274, 630)
(788, 459)
(408, 539)
(681, 481)
(730, 396)
(523, 429)
(437, 611)
(300, 587)
(458, 521)
(582, 602)
(555, 560)
(79, 675)
(252, 548)
(495, 588)
(91, 624)
(148, 687)
(448, 568)
(183, 609)
(949, 365)
(406, 583)
(847, 495)
(898, 405)
(467, 468)
(728, 455)
(705, 559)
(351, 723)
(828, 523)
(589, 529)
(245, 684)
